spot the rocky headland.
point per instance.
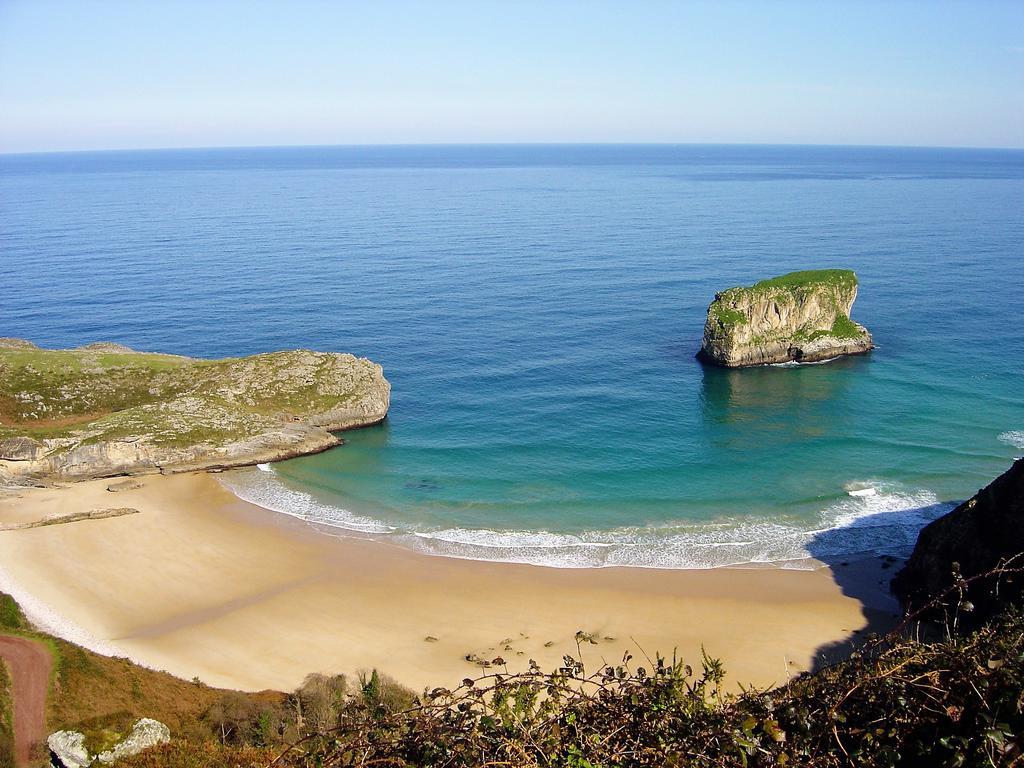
(984, 533)
(104, 409)
(800, 316)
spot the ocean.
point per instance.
(537, 310)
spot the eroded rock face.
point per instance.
(20, 449)
(125, 485)
(67, 748)
(145, 733)
(979, 535)
(107, 410)
(802, 317)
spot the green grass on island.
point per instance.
(727, 317)
(840, 278)
(837, 284)
(810, 279)
(845, 328)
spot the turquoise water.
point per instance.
(537, 310)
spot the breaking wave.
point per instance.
(262, 488)
(1014, 437)
(885, 521)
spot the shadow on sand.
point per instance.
(865, 578)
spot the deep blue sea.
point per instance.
(537, 310)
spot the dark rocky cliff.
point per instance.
(979, 535)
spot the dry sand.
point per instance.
(202, 584)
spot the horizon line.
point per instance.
(369, 145)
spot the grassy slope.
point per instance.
(6, 717)
(51, 393)
(12, 621)
(841, 278)
(96, 395)
(103, 696)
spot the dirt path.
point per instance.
(30, 663)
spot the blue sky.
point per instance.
(92, 75)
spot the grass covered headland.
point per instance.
(104, 409)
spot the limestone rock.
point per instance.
(800, 316)
(125, 485)
(145, 733)
(978, 536)
(133, 413)
(9, 342)
(109, 347)
(20, 449)
(67, 749)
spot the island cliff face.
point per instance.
(801, 316)
(979, 535)
(105, 410)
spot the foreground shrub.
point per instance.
(182, 754)
(953, 703)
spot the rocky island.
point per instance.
(104, 409)
(800, 316)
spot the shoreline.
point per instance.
(870, 518)
(204, 584)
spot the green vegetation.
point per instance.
(894, 703)
(842, 328)
(6, 717)
(843, 280)
(53, 393)
(42, 388)
(840, 278)
(11, 617)
(104, 393)
(845, 328)
(102, 697)
(897, 702)
(726, 316)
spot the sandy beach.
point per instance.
(202, 584)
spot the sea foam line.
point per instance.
(1014, 437)
(264, 490)
(872, 518)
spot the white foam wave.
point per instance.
(264, 468)
(860, 489)
(263, 489)
(797, 363)
(1014, 437)
(676, 547)
(885, 521)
